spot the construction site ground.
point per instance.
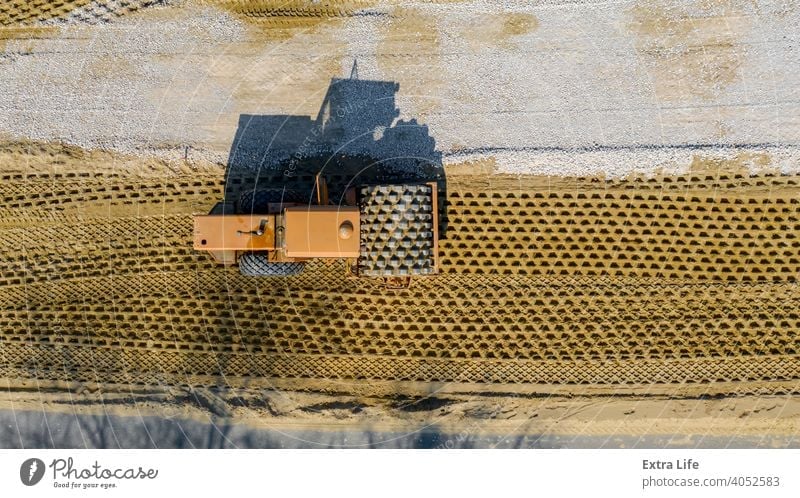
(603, 298)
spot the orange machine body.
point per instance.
(298, 232)
(321, 232)
(234, 232)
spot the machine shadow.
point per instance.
(355, 139)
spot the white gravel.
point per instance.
(574, 96)
(634, 161)
(132, 85)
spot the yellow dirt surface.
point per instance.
(676, 285)
(27, 12)
(282, 19)
(24, 34)
(30, 11)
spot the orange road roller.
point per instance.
(383, 231)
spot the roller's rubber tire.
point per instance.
(257, 201)
(257, 265)
(396, 230)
